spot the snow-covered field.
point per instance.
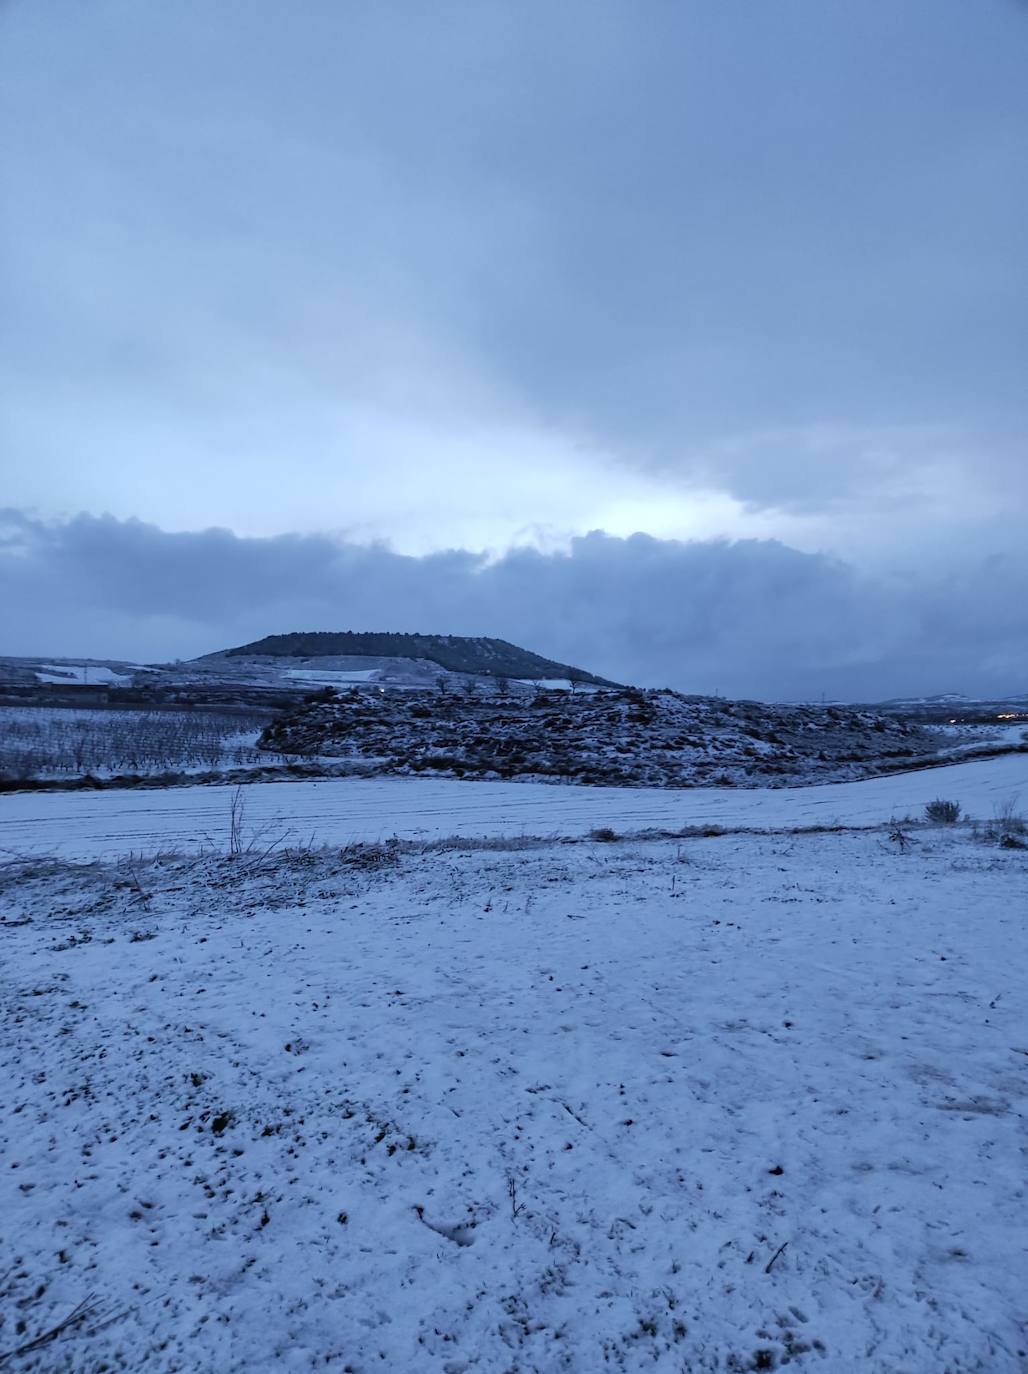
(79, 672)
(55, 742)
(340, 810)
(327, 678)
(704, 1105)
(971, 737)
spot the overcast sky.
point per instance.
(686, 339)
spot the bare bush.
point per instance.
(941, 812)
(1007, 828)
(370, 855)
(236, 816)
(1009, 820)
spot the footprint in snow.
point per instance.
(460, 1233)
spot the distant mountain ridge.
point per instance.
(455, 653)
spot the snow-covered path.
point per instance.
(691, 1107)
(338, 811)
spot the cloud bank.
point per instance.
(771, 252)
(746, 618)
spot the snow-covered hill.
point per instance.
(477, 655)
(625, 738)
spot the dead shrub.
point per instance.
(369, 855)
(604, 835)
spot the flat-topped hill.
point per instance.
(455, 653)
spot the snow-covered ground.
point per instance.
(971, 737)
(704, 1105)
(340, 810)
(79, 672)
(327, 678)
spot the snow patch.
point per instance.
(331, 679)
(81, 673)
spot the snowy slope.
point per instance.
(714, 1105)
(327, 678)
(79, 672)
(336, 811)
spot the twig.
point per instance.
(86, 1308)
(767, 1267)
(256, 863)
(236, 812)
(585, 1124)
(140, 890)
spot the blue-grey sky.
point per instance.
(406, 279)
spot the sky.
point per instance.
(685, 340)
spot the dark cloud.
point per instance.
(842, 471)
(669, 231)
(390, 268)
(752, 618)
